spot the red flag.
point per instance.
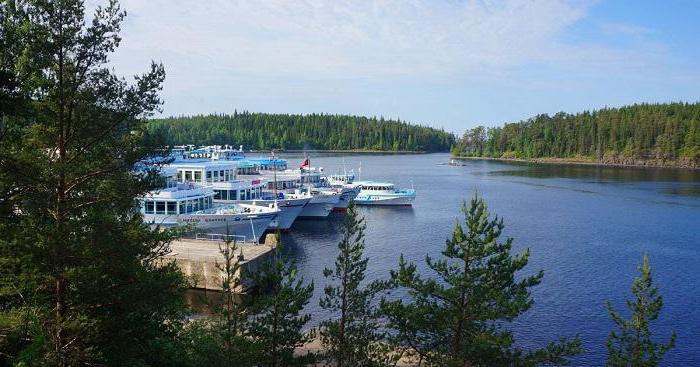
(305, 164)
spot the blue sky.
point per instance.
(450, 64)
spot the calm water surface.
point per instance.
(587, 227)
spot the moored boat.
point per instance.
(290, 205)
(348, 190)
(384, 194)
(189, 203)
(162, 207)
(245, 222)
(320, 205)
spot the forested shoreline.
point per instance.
(262, 131)
(641, 134)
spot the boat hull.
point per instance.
(347, 196)
(385, 200)
(248, 227)
(319, 207)
(290, 209)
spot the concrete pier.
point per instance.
(198, 259)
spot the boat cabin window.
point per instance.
(149, 208)
(172, 207)
(160, 207)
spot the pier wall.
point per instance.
(199, 260)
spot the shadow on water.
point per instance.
(598, 174)
(387, 211)
(686, 191)
(202, 301)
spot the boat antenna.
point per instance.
(359, 172)
(274, 176)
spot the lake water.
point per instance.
(587, 227)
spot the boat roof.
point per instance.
(212, 164)
(266, 160)
(373, 183)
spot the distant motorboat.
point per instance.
(384, 194)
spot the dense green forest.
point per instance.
(314, 131)
(664, 133)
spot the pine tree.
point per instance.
(87, 284)
(632, 344)
(221, 340)
(352, 337)
(276, 316)
(459, 319)
(232, 313)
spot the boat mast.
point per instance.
(308, 173)
(274, 176)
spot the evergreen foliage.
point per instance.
(460, 317)
(632, 345)
(644, 131)
(222, 340)
(265, 131)
(81, 280)
(353, 336)
(276, 316)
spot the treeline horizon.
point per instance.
(665, 132)
(258, 131)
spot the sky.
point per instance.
(451, 64)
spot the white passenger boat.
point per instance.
(384, 193)
(348, 189)
(163, 206)
(188, 203)
(210, 152)
(239, 182)
(242, 221)
(297, 182)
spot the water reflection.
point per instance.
(202, 301)
(687, 191)
(598, 174)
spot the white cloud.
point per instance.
(343, 39)
(430, 61)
